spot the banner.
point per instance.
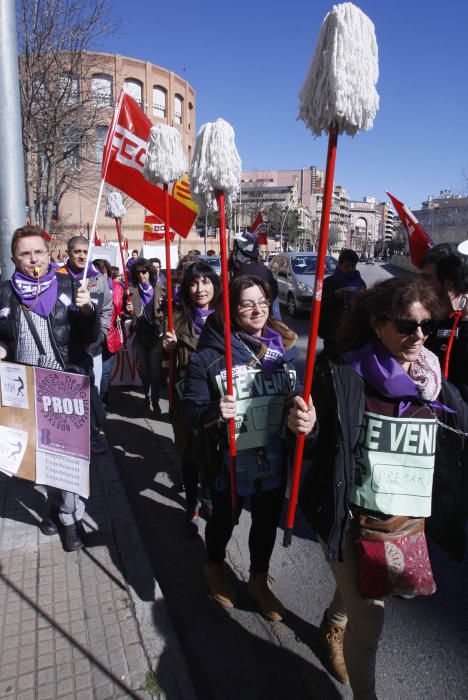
(258, 228)
(418, 240)
(154, 229)
(122, 166)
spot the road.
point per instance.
(237, 655)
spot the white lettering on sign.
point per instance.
(66, 405)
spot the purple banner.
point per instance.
(62, 412)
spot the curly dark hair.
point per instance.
(385, 300)
(193, 273)
(140, 265)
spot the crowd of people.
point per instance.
(389, 390)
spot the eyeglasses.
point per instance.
(142, 272)
(30, 253)
(408, 326)
(250, 305)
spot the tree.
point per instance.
(282, 222)
(59, 109)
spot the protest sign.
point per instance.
(260, 401)
(13, 385)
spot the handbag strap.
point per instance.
(33, 330)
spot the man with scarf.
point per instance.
(101, 296)
(46, 320)
(338, 291)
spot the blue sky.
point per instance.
(247, 62)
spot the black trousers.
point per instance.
(266, 507)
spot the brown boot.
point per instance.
(221, 589)
(331, 638)
(260, 591)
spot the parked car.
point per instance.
(213, 260)
(295, 274)
(269, 258)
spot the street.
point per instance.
(237, 655)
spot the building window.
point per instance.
(101, 86)
(134, 88)
(101, 135)
(159, 101)
(70, 88)
(178, 103)
(190, 115)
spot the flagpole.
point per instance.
(84, 281)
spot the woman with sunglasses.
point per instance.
(148, 326)
(263, 355)
(383, 412)
(200, 291)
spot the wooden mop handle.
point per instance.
(313, 330)
(170, 320)
(228, 353)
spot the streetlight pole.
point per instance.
(282, 227)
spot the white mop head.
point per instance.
(115, 206)
(216, 165)
(340, 83)
(165, 159)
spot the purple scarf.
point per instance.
(199, 317)
(92, 272)
(146, 292)
(26, 289)
(380, 369)
(274, 356)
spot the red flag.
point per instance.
(125, 245)
(154, 229)
(97, 240)
(258, 228)
(418, 240)
(122, 166)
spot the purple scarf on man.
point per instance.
(380, 369)
(92, 272)
(199, 317)
(37, 294)
(146, 292)
(274, 356)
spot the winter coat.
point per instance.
(114, 336)
(147, 321)
(333, 307)
(458, 363)
(338, 394)
(202, 393)
(70, 331)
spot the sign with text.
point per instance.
(62, 412)
(63, 472)
(13, 385)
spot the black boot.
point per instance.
(72, 541)
(47, 526)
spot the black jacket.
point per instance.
(458, 364)
(338, 394)
(70, 331)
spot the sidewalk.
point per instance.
(87, 625)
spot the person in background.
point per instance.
(263, 355)
(148, 325)
(116, 275)
(101, 296)
(338, 292)
(199, 295)
(446, 271)
(384, 380)
(47, 320)
(160, 276)
(184, 262)
(245, 260)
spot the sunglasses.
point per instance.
(408, 326)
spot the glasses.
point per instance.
(30, 253)
(250, 305)
(142, 272)
(409, 327)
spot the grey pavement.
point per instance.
(88, 624)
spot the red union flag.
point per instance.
(418, 240)
(122, 166)
(258, 228)
(154, 229)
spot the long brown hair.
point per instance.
(385, 300)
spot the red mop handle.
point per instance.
(457, 316)
(170, 322)
(124, 269)
(313, 330)
(228, 352)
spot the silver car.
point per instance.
(295, 274)
(213, 260)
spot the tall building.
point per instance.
(445, 217)
(164, 96)
(364, 225)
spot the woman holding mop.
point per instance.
(199, 295)
(266, 408)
